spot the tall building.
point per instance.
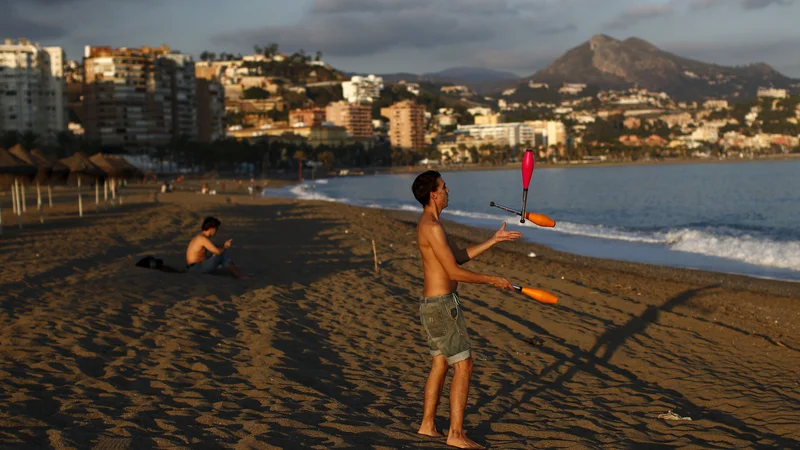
(138, 97)
(362, 89)
(210, 110)
(356, 118)
(32, 95)
(406, 125)
(184, 93)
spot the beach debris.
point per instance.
(672, 416)
(531, 255)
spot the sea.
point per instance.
(740, 218)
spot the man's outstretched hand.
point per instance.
(228, 243)
(502, 235)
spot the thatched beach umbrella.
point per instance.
(116, 168)
(81, 169)
(43, 173)
(59, 172)
(11, 171)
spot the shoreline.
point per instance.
(775, 286)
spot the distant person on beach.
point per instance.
(202, 256)
(440, 307)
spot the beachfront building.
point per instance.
(138, 97)
(406, 125)
(354, 117)
(513, 134)
(184, 95)
(362, 89)
(32, 93)
(554, 131)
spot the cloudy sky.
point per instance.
(419, 36)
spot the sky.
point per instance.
(418, 36)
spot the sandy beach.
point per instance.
(316, 350)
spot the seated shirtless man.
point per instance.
(203, 256)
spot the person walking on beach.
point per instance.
(440, 307)
(202, 256)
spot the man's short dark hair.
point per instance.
(209, 223)
(425, 183)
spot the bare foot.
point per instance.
(430, 431)
(460, 440)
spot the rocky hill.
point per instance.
(613, 64)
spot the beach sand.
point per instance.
(316, 350)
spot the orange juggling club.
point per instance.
(538, 219)
(537, 294)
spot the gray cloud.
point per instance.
(759, 4)
(696, 5)
(638, 13)
(14, 25)
(367, 27)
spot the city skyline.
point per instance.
(384, 36)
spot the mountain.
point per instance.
(609, 63)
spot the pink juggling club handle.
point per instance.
(527, 173)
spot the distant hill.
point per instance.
(613, 64)
(457, 75)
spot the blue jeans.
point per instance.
(210, 264)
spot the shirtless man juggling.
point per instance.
(440, 308)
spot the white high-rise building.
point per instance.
(362, 89)
(32, 94)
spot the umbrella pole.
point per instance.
(80, 199)
(19, 207)
(22, 198)
(39, 202)
(105, 194)
(50, 194)
(97, 195)
(113, 192)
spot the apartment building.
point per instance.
(406, 125)
(307, 117)
(184, 95)
(362, 89)
(555, 132)
(210, 110)
(138, 97)
(356, 118)
(32, 93)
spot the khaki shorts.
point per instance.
(445, 328)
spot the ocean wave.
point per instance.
(747, 246)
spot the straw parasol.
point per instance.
(44, 170)
(81, 169)
(59, 172)
(11, 170)
(116, 168)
